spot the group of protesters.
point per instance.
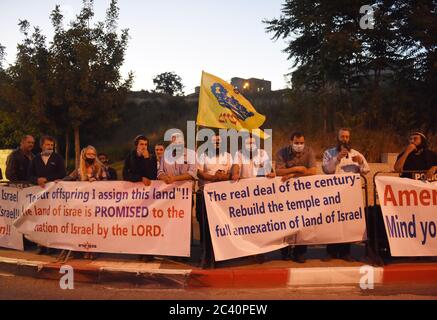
(141, 165)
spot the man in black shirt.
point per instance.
(416, 157)
(48, 165)
(111, 174)
(18, 162)
(140, 165)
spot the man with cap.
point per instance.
(416, 157)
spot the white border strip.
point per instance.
(332, 276)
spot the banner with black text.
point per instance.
(113, 217)
(259, 215)
(9, 211)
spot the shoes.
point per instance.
(203, 264)
(41, 250)
(260, 258)
(328, 258)
(285, 253)
(206, 263)
(146, 258)
(299, 258)
(89, 256)
(347, 258)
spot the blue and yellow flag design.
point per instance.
(223, 106)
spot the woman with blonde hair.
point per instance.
(90, 169)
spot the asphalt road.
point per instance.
(24, 288)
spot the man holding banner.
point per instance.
(213, 165)
(18, 162)
(342, 159)
(178, 162)
(295, 160)
(251, 161)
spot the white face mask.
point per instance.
(251, 147)
(298, 147)
(46, 153)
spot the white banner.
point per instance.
(409, 209)
(259, 215)
(115, 217)
(9, 211)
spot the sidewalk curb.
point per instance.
(411, 272)
(226, 277)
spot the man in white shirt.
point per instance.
(251, 162)
(213, 165)
(342, 159)
(178, 162)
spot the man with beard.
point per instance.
(110, 172)
(178, 162)
(18, 162)
(342, 159)
(139, 165)
(213, 165)
(159, 153)
(417, 157)
(295, 160)
(48, 165)
(251, 162)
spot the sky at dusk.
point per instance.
(226, 38)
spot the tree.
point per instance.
(360, 75)
(24, 92)
(74, 84)
(89, 91)
(169, 83)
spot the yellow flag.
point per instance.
(222, 106)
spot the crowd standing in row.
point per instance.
(297, 159)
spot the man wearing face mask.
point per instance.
(417, 157)
(48, 165)
(295, 160)
(342, 159)
(251, 162)
(214, 165)
(139, 165)
(178, 162)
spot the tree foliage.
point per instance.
(72, 85)
(380, 77)
(169, 83)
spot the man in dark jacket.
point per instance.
(417, 157)
(111, 174)
(48, 165)
(140, 165)
(18, 162)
